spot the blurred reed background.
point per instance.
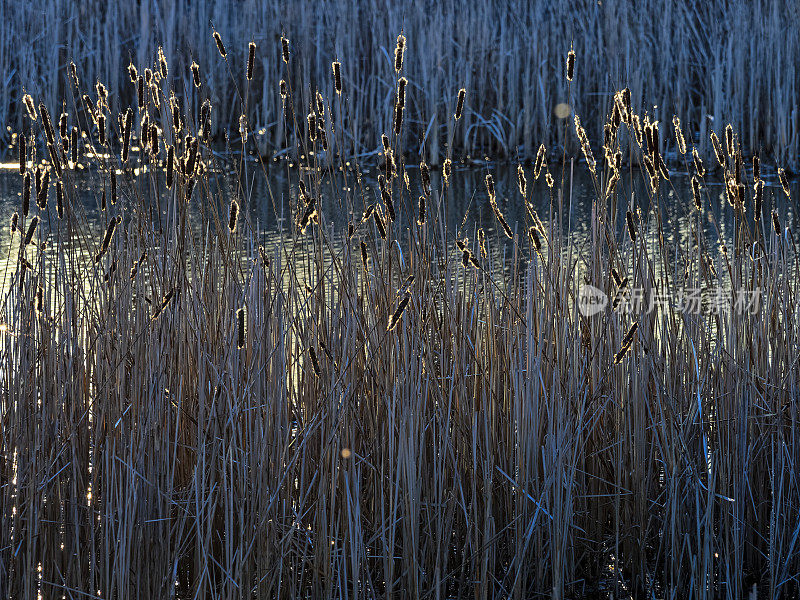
(708, 62)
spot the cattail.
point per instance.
(154, 145)
(14, 221)
(447, 169)
(522, 183)
(196, 74)
(136, 264)
(395, 318)
(164, 303)
(39, 300)
(398, 119)
(398, 53)
(133, 73)
(189, 189)
(698, 163)
(758, 199)
(312, 126)
(31, 231)
(103, 200)
(421, 214)
(776, 224)
(622, 352)
(162, 63)
(376, 216)
(386, 196)
(401, 92)
(29, 106)
(425, 177)
(170, 166)
(62, 125)
(113, 186)
(41, 197)
(337, 76)
(482, 241)
(283, 90)
(612, 183)
(679, 134)
(756, 168)
(320, 105)
(490, 187)
(364, 254)
(285, 49)
(696, 193)
(140, 95)
(533, 233)
(784, 181)
(717, 149)
(501, 219)
(107, 238)
(221, 47)
(233, 215)
(462, 94)
(323, 137)
(251, 60)
(628, 339)
(314, 361)
(101, 129)
(539, 163)
(243, 127)
(240, 328)
(49, 132)
(126, 134)
(102, 93)
(74, 145)
(631, 226)
(729, 140)
(23, 156)
(26, 194)
(111, 270)
(570, 64)
(73, 71)
(549, 179)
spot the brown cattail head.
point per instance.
(62, 125)
(285, 49)
(756, 168)
(425, 177)
(364, 254)
(196, 74)
(107, 238)
(482, 241)
(31, 231)
(490, 187)
(776, 224)
(113, 186)
(140, 95)
(170, 166)
(220, 46)
(462, 94)
(729, 140)
(284, 90)
(102, 94)
(447, 169)
(549, 179)
(540, 161)
(49, 132)
(570, 64)
(26, 194)
(758, 199)
(74, 145)
(243, 127)
(536, 242)
(522, 182)
(399, 51)
(73, 71)
(29, 106)
(23, 156)
(251, 60)
(14, 222)
(101, 129)
(717, 149)
(126, 134)
(133, 73)
(698, 163)
(421, 212)
(784, 182)
(41, 196)
(337, 76)
(696, 193)
(233, 215)
(679, 135)
(631, 226)
(60, 199)
(162, 63)
(148, 76)
(240, 328)
(401, 91)
(398, 119)
(398, 313)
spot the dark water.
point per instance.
(270, 200)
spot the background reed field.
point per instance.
(710, 63)
(378, 404)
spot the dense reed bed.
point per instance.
(398, 410)
(708, 62)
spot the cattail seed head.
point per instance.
(285, 49)
(126, 134)
(729, 140)
(113, 186)
(133, 73)
(251, 60)
(73, 71)
(60, 198)
(284, 90)
(41, 198)
(233, 215)
(482, 241)
(140, 95)
(107, 238)
(23, 156)
(536, 242)
(717, 149)
(399, 51)
(337, 76)
(784, 182)
(49, 132)
(631, 226)
(421, 212)
(776, 224)
(698, 163)
(756, 168)
(148, 76)
(425, 177)
(549, 179)
(101, 129)
(462, 94)
(14, 222)
(570, 64)
(758, 199)
(31, 231)
(398, 119)
(401, 92)
(170, 166)
(398, 313)
(162, 63)
(220, 46)
(196, 74)
(240, 328)
(243, 127)
(103, 200)
(522, 182)
(26, 194)
(364, 256)
(102, 93)
(540, 161)
(29, 106)
(490, 187)
(679, 135)
(447, 169)
(696, 193)
(74, 145)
